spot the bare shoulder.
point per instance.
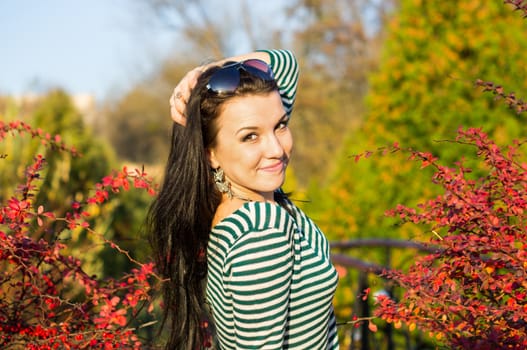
(225, 209)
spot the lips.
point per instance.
(276, 167)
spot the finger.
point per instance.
(189, 82)
(185, 86)
(182, 90)
(181, 94)
(177, 111)
(177, 117)
(172, 101)
(193, 77)
(177, 93)
(180, 104)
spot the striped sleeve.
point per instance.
(286, 71)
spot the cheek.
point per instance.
(287, 142)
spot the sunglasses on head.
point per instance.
(227, 78)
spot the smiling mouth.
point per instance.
(279, 166)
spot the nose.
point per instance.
(273, 147)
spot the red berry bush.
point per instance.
(47, 300)
(472, 292)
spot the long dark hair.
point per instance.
(180, 218)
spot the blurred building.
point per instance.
(85, 104)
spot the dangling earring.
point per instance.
(224, 186)
(221, 182)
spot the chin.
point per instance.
(270, 185)
(277, 187)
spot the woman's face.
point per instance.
(253, 145)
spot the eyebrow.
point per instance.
(285, 116)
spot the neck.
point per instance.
(232, 195)
(250, 197)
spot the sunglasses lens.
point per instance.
(260, 66)
(227, 78)
(224, 80)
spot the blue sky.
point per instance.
(83, 46)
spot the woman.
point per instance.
(223, 233)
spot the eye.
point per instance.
(249, 137)
(282, 124)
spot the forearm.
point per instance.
(286, 71)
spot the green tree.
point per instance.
(337, 44)
(422, 92)
(69, 177)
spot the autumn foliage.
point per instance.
(47, 300)
(472, 292)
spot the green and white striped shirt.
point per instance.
(270, 280)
